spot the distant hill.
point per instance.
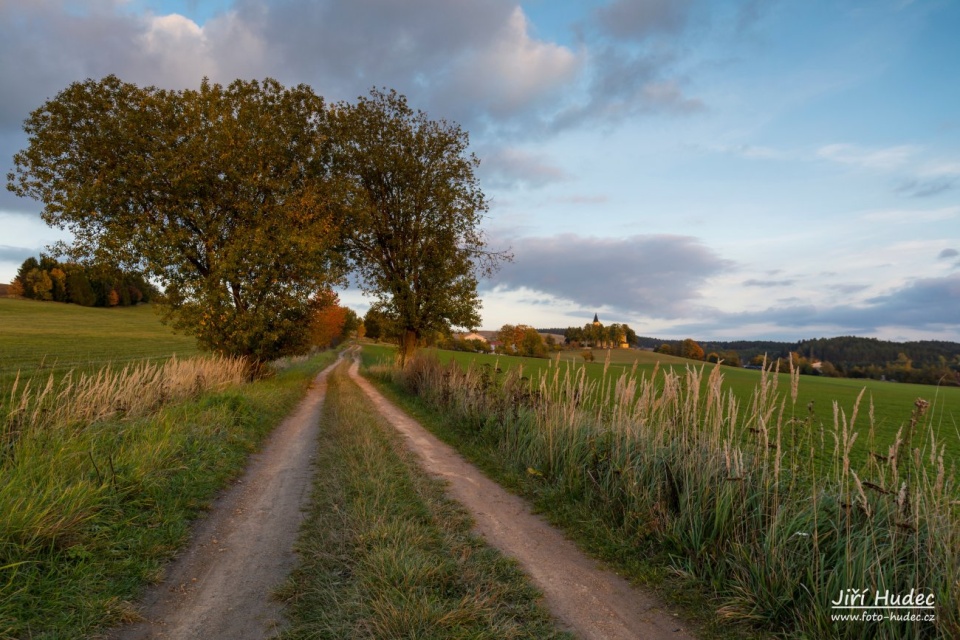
(922, 361)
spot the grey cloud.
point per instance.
(625, 84)
(15, 254)
(849, 289)
(630, 19)
(927, 188)
(767, 283)
(925, 304)
(948, 253)
(656, 275)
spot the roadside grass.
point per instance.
(735, 505)
(43, 338)
(883, 408)
(93, 504)
(384, 554)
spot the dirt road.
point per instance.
(593, 603)
(219, 588)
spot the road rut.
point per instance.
(592, 602)
(220, 587)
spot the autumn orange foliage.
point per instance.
(328, 321)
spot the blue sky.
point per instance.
(717, 170)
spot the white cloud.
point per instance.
(514, 70)
(511, 167)
(885, 158)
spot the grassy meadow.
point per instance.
(893, 403)
(742, 503)
(42, 338)
(109, 448)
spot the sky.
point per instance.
(753, 169)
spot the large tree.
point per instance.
(221, 193)
(414, 207)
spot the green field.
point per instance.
(893, 402)
(51, 337)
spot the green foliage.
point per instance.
(86, 285)
(79, 290)
(600, 336)
(378, 325)
(414, 207)
(521, 340)
(221, 193)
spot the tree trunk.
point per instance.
(408, 344)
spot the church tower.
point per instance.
(596, 320)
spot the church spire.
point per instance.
(596, 319)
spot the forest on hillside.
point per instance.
(921, 362)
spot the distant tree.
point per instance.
(328, 323)
(79, 290)
(221, 193)
(59, 279)
(827, 369)
(351, 323)
(510, 336)
(414, 206)
(690, 349)
(379, 325)
(587, 355)
(665, 349)
(28, 265)
(713, 357)
(551, 343)
(730, 358)
(38, 285)
(532, 344)
(573, 335)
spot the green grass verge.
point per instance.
(664, 474)
(103, 507)
(892, 402)
(385, 555)
(646, 566)
(40, 338)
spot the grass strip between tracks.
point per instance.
(384, 554)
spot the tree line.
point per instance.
(248, 202)
(920, 362)
(86, 285)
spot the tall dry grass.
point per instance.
(759, 503)
(135, 390)
(100, 476)
(59, 453)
